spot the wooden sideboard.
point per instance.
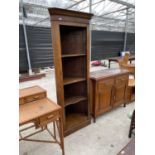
(108, 89)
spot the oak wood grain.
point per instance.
(71, 48)
(32, 110)
(108, 90)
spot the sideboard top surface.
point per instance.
(97, 75)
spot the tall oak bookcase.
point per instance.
(71, 48)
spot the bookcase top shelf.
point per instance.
(69, 13)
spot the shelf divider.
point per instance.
(70, 80)
(74, 100)
(72, 55)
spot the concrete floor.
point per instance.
(105, 137)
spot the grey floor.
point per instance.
(105, 137)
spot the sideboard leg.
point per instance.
(124, 104)
(109, 64)
(94, 119)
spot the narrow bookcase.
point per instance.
(71, 48)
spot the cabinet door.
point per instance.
(120, 90)
(104, 95)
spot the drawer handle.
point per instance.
(49, 117)
(35, 97)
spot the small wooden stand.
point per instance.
(40, 111)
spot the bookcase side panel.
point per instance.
(58, 64)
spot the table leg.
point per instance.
(94, 119)
(124, 104)
(126, 93)
(54, 129)
(61, 134)
(109, 63)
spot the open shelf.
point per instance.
(76, 114)
(74, 99)
(70, 80)
(75, 67)
(73, 39)
(72, 55)
(74, 119)
(75, 92)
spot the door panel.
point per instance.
(104, 95)
(120, 90)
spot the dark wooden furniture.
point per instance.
(129, 149)
(117, 59)
(71, 48)
(39, 111)
(132, 124)
(108, 90)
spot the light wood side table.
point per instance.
(40, 112)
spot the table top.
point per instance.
(131, 57)
(97, 75)
(33, 110)
(129, 65)
(30, 91)
(129, 149)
